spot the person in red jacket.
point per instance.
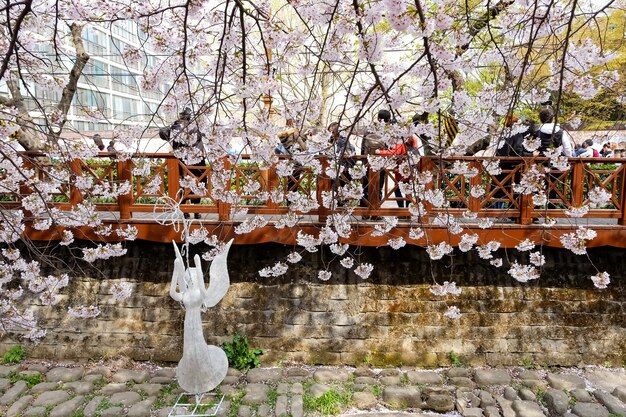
(403, 148)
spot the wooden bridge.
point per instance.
(153, 176)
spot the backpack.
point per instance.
(595, 154)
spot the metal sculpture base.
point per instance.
(183, 408)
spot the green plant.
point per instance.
(456, 361)
(240, 355)
(528, 363)
(105, 404)
(272, 396)
(78, 413)
(165, 392)
(235, 404)
(15, 354)
(329, 403)
(616, 415)
(30, 379)
(540, 393)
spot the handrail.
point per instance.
(249, 182)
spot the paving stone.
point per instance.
(461, 381)
(510, 393)
(486, 399)
(620, 392)
(492, 411)
(492, 377)
(427, 377)
(399, 397)
(364, 372)
(297, 406)
(171, 372)
(331, 375)
(51, 398)
(263, 411)
(390, 372)
(150, 389)
(281, 407)
(18, 406)
(39, 367)
(244, 411)
(63, 374)
(529, 374)
(458, 372)
(535, 384)
(67, 408)
(565, 381)
(95, 378)
(441, 403)
(590, 410)
(130, 375)
(229, 390)
(223, 411)
(80, 387)
(527, 409)
(390, 380)
(264, 375)
(13, 393)
(556, 401)
(526, 394)
(34, 412)
(366, 380)
(228, 380)
(296, 374)
(581, 395)
(91, 407)
(606, 379)
(4, 384)
(43, 387)
(613, 404)
(506, 406)
(296, 388)
(317, 390)
(465, 400)
(473, 412)
(127, 398)
(142, 408)
(99, 370)
(6, 370)
(113, 388)
(364, 400)
(167, 380)
(255, 394)
(112, 412)
(282, 388)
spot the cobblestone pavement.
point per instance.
(120, 388)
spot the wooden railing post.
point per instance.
(173, 177)
(374, 188)
(273, 182)
(323, 184)
(223, 209)
(476, 180)
(578, 185)
(125, 173)
(622, 220)
(75, 195)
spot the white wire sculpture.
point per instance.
(202, 367)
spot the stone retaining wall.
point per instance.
(389, 319)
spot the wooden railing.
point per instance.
(248, 187)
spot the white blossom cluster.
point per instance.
(577, 241)
(445, 288)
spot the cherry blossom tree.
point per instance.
(237, 64)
